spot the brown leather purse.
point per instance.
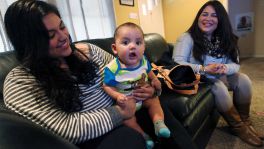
(179, 78)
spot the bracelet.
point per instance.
(202, 70)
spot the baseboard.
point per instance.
(256, 56)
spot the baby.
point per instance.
(129, 70)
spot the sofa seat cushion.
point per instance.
(182, 105)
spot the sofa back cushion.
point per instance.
(7, 62)
(103, 43)
(157, 49)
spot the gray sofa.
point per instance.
(191, 118)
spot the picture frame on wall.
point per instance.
(127, 2)
(244, 22)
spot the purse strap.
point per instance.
(164, 73)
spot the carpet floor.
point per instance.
(221, 138)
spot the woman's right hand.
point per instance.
(128, 108)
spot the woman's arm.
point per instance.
(231, 67)
(26, 97)
(182, 52)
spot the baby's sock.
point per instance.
(161, 130)
(149, 142)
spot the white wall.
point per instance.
(259, 28)
(151, 21)
(246, 39)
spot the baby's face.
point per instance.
(129, 46)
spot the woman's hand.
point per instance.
(121, 98)
(128, 108)
(144, 92)
(222, 69)
(216, 69)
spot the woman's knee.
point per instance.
(219, 87)
(243, 92)
(244, 80)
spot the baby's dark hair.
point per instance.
(127, 24)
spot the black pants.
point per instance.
(120, 138)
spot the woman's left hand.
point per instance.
(144, 92)
(221, 69)
(216, 69)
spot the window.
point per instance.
(85, 19)
(4, 44)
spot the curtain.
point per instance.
(4, 44)
(85, 19)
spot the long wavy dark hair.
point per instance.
(30, 39)
(228, 40)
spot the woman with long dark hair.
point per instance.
(210, 48)
(58, 84)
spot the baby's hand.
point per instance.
(156, 84)
(121, 98)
